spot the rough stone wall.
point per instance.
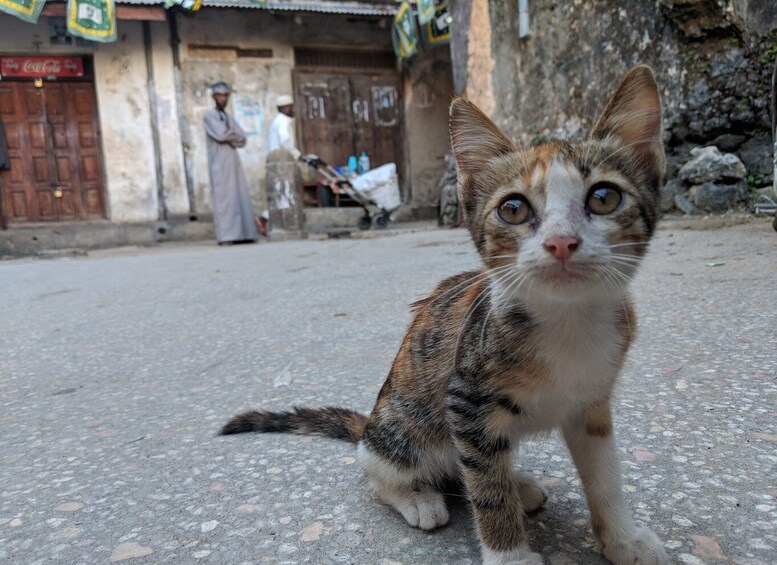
(713, 60)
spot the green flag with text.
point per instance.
(27, 10)
(94, 20)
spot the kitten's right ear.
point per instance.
(475, 139)
(633, 117)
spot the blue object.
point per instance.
(364, 162)
(353, 164)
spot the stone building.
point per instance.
(713, 60)
(119, 141)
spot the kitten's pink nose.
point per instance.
(561, 246)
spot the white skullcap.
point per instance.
(284, 100)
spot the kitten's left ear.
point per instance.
(633, 116)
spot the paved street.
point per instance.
(117, 370)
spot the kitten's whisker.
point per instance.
(627, 244)
(497, 280)
(514, 280)
(470, 282)
(626, 259)
(615, 284)
(499, 272)
(482, 295)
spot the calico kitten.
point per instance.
(532, 341)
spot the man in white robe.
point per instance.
(233, 218)
(281, 134)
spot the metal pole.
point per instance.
(774, 128)
(152, 103)
(186, 143)
(523, 18)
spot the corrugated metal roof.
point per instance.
(142, 2)
(323, 7)
(364, 8)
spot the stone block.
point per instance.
(708, 164)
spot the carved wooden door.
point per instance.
(342, 114)
(54, 150)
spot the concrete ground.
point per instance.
(117, 370)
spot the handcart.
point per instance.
(379, 205)
(765, 205)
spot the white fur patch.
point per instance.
(520, 556)
(408, 491)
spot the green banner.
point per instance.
(425, 11)
(438, 30)
(405, 31)
(94, 20)
(189, 5)
(27, 10)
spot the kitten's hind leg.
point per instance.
(419, 503)
(532, 494)
(422, 508)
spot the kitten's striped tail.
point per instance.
(337, 423)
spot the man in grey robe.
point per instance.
(233, 218)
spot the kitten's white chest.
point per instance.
(579, 349)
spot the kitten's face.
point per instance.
(564, 219)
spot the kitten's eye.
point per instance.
(515, 210)
(604, 198)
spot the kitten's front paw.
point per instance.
(642, 548)
(520, 556)
(533, 496)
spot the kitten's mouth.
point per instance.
(562, 274)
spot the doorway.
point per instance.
(342, 112)
(55, 152)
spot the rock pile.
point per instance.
(710, 181)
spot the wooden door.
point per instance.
(324, 113)
(377, 126)
(85, 150)
(53, 143)
(341, 114)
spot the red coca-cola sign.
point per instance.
(41, 67)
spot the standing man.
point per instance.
(232, 215)
(281, 134)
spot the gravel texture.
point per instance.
(117, 370)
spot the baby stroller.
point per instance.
(376, 191)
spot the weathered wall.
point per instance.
(123, 109)
(713, 60)
(428, 93)
(125, 121)
(480, 58)
(256, 81)
(173, 177)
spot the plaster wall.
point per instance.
(173, 176)
(428, 94)
(125, 120)
(480, 60)
(208, 54)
